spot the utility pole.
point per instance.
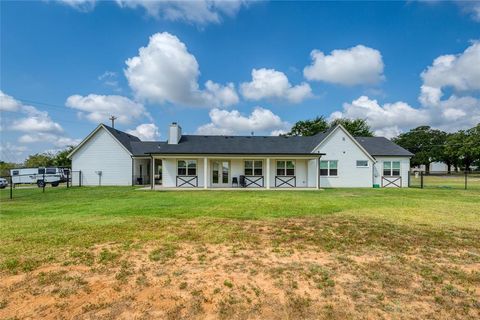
(113, 118)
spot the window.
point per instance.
(15, 172)
(41, 171)
(51, 171)
(186, 167)
(253, 167)
(391, 168)
(285, 168)
(329, 167)
(362, 163)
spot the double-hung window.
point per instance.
(187, 167)
(329, 168)
(253, 168)
(391, 168)
(285, 168)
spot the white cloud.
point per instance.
(470, 7)
(269, 83)
(353, 66)
(460, 72)
(224, 122)
(200, 12)
(36, 123)
(56, 140)
(80, 5)
(98, 108)
(145, 132)
(8, 103)
(164, 71)
(386, 119)
(12, 152)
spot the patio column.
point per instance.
(152, 181)
(205, 173)
(267, 182)
(317, 170)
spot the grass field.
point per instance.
(108, 253)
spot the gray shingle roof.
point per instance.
(380, 146)
(261, 145)
(197, 144)
(124, 138)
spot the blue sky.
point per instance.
(232, 67)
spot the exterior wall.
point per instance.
(339, 146)
(103, 153)
(404, 169)
(169, 171)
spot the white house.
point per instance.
(333, 158)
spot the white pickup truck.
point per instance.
(39, 176)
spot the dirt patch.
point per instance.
(235, 281)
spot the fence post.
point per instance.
(421, 179)
(466, 173)
(44, 182)
(11, 188)
(68, 178)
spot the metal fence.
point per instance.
(25, 185)
(467, 180)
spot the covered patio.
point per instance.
(241, 172)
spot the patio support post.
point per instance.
(317, 169)
(268, 174)
(152, 181)
(205, 173)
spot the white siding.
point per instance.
(103, 153)
(169, 171)
(404, 169)
(339, 146)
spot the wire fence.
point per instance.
(25, 185)
(467, 180)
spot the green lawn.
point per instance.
(36, 223)
(401, 246)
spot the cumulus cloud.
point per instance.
(57, 141)
(385, 120)
(8, 103)
(98, 108)
(145, 132)
(224, 122)
(200, 12)
(110, 79)
(164, 71)
(460, 72)
(353, 66)
(36, 125)
(12, 152)
(269, 83)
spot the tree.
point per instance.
(61, 159)
(356, 127)
(465, 146)
(425, 143)
(5, 168)
(39, 160)
(309, 127)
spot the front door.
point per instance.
(220, 173)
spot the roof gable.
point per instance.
(123, 138)
(331, 131)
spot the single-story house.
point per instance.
(333, 158)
